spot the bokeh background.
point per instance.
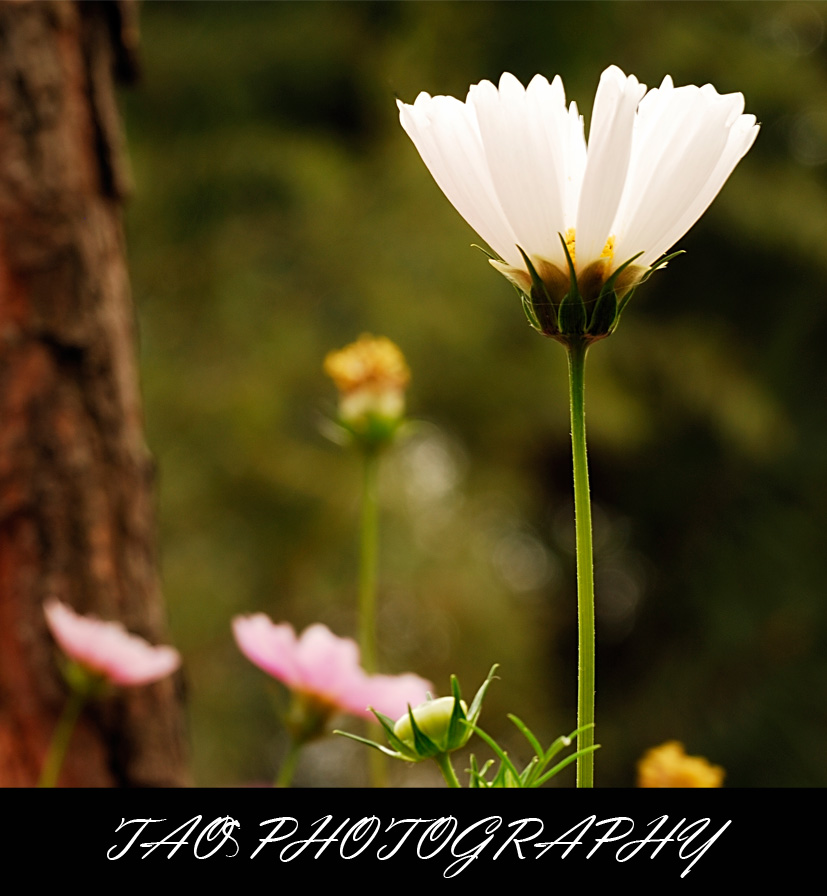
(279, 211)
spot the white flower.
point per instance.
(514, 162)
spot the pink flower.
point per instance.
(320, 665)
(107, 649)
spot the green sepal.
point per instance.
(371, 431)
(457, 735)
(609, 285)
(571, 315)
(541, 305)
(604, 315)
(528, 310)
(90, 685)
(569, 261)
(424, 747)
(656, 266)
(399, 745)
(485, 252)
(370, 743)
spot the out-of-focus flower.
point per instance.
(106, 649)
(324, 669)
(514, 163)
(371, 375)
(669, 766)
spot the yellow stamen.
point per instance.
(570, 243)
(608, 250)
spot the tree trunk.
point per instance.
(76, 509)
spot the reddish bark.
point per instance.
(76, 508)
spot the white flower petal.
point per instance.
(681, 137)
(742, 135)
(525, 158)
(445, 133)
(576, 157)
(610, 147)
(515, 164)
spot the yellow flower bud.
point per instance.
(371, 375)
(669, 766)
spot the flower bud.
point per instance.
(371, 376)
(669, 766)
(433, 719)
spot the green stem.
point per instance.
(288, 767)
(585, 564)
(368, 563)
(444, 763)
(61, 738)
(368, 553)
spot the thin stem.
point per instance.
(288, 767)
(585, 565)
(368, 562)
(368, 553)
(60, 739)
(444, 763)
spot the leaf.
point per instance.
(567, 761)
(476, 703)
(527, 734)
(498, 750)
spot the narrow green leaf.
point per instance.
(476, 703)
(497, 749)
(563, 763)
(530, 772)
(527, 734)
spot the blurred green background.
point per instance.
(279, 211)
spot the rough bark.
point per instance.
(76, 479)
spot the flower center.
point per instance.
(608, 250)
(570, 243)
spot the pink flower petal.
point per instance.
(106, 648)
(322, 665)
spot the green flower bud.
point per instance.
(433, 719)
(431, 730)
